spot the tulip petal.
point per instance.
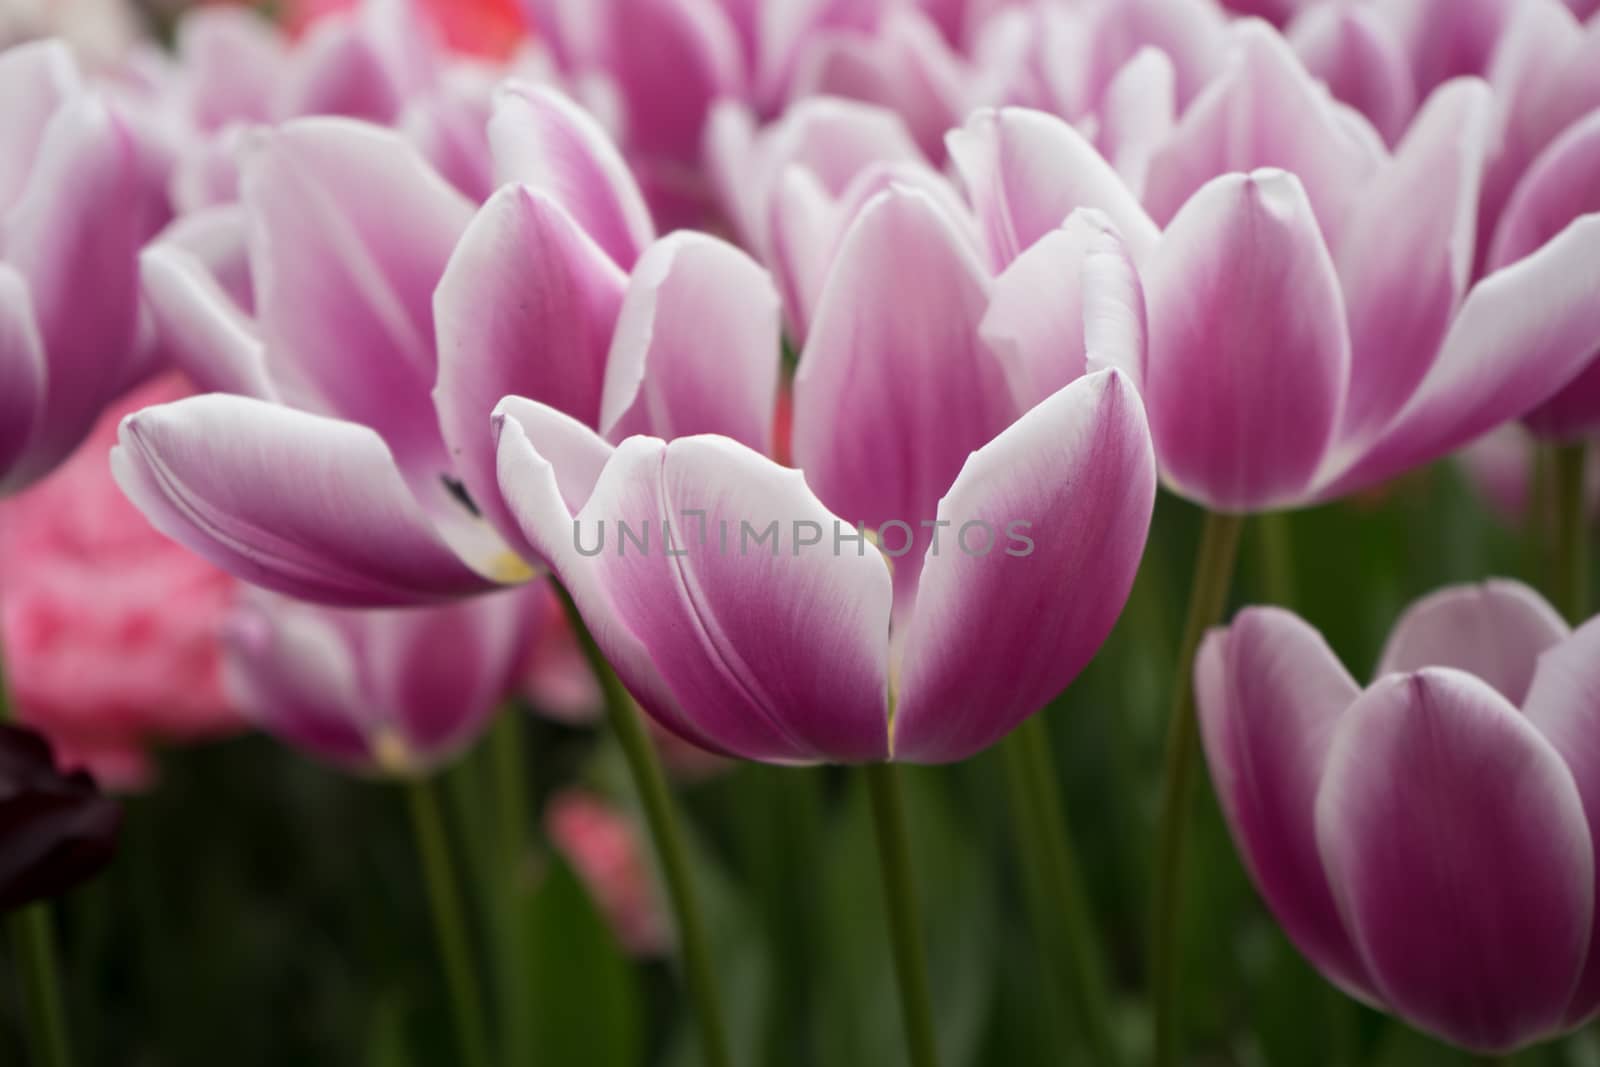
(527, 307)
(35, 80)
(1266, 111)
(1496, 631)
(200, 328)
(351, 231)
(1067, 306)
(1353, 50)
(302, 504)
(443, 672)
(543, 140)
(1249, 352)
(1405, 254)
(1564, 705)
(22, 371)
(1137, 114)
(1455, 841)
(672, 59)
(75, 231)
(767, 650)
(1521, 334)
(1270, 693)
(234, 60)
(337, 70)
(1045, 528)
(291, 671)
(1562, 185)
(806, 225)
(697, 346)
(1026, 171)
(888, 407)
(831, 139)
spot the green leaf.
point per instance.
(585, 992)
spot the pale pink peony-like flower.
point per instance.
(110, 629)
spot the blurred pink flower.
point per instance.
(389, 692)
(110, 630)
(604, 847)
(1501, 464)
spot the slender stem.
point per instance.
(1570, 582)
(1057, 900)
(905, 917)
(33, 954)
(34, 951)
(511, 823)
(449, 921)
(1276, 545)
(1219, 548)
(667, 834)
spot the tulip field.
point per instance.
(772, 533)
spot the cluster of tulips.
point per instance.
(794, 382)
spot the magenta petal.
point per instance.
(1241, 279)
(302, 504)
(1522, 333)
(1564, 705)
(1405, 253)
(1070, 304)
(545, 141)
(672, 59)
(351, 231)
(888, 407)
(1266, 111)
(1455, 841)
(697, 346)
(526, 307)
(1026, 171)
(73, 233)
(1496, 631)
(1045, 528)
(22, 371)
(1353, 50)
(337, 70)
(1270, 694)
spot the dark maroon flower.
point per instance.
(56, 830)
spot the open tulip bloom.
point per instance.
(1429, 841)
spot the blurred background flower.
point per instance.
(112, 632)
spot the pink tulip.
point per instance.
(805, 646)
(1543, 163)
(393, 692)
(72, 199)
(1427, 842)
(607, 852)
(356, 466)
(1120, 70)
(1312, 333)
(379, 61)
(112, 633)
